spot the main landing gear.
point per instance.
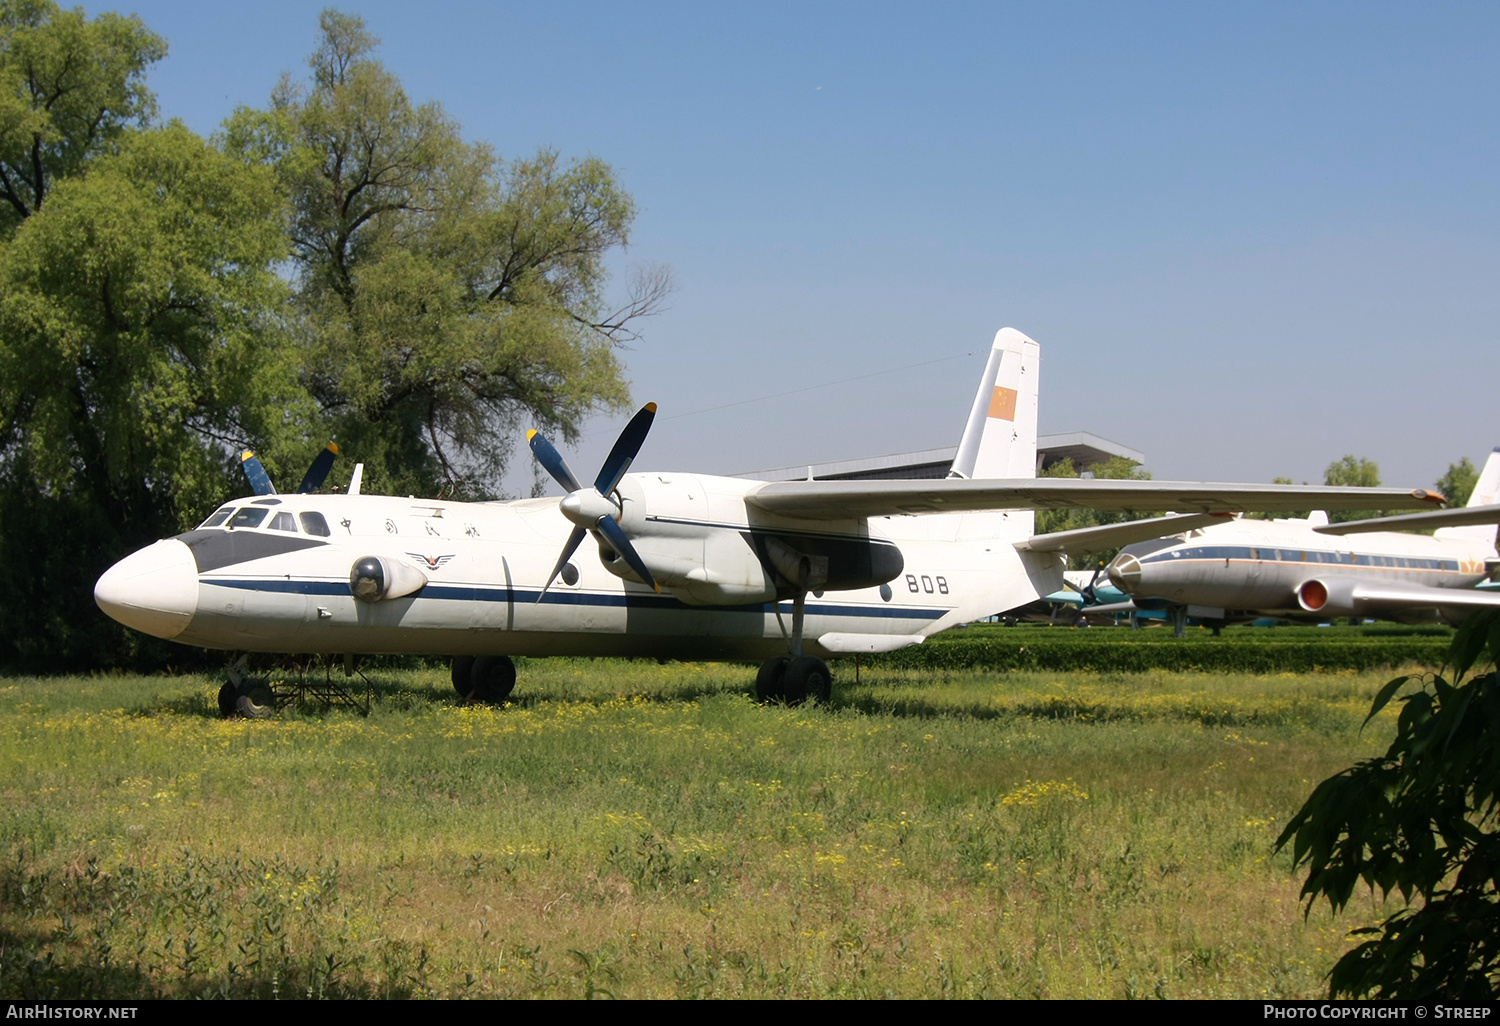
(795, 678)
(487, 679)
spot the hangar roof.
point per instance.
(1083, 448)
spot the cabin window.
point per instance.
(218, 518)
(313, 523)
(283, 522)
(250, 516)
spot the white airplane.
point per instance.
(688, 566)
(1302, 569)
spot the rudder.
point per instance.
(999, 438)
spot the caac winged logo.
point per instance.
(431, 562)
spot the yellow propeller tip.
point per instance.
(530, 434)
(651, 407)
(247, 454)
(333, 448)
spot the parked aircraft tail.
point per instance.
(1000, 436)
(1487, 488)
(1486, 493)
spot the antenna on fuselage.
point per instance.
(359, 475)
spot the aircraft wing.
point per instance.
(1419, 521)
(1092, 539)
(1409, 596)
(844, 500)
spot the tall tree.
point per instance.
(446, 294)
(1116, 468)
(1458, 483)
(1353, 472)
(139, 348)
(69, 89)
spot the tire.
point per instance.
(807, 677)
(463, 675)
(256, 702)
(228, 696)
(768, 682)
(494, 677)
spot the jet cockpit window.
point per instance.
(250, 516)
(218, 518)
(313, 523)
(283, 522)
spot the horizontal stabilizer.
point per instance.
(843, 500)
(1092, 539)
(1462, 517)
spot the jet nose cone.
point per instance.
(154, 590)
(1125, 572)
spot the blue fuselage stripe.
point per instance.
(484, 593)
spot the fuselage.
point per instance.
(274, 573)
(1261, 567)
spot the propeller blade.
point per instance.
(562, 561)
(621, 544)
(626, 446)
(1088, 593)
(551, 460)
(313, 479)
(260, 481)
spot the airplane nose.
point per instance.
(1125, 572)
(154, 590)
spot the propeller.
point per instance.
(591, 508)
(260, 481)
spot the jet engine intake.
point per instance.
(375, 578)
(1327, 598)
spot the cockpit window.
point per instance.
(283, 522)
(313, 523)
(218, 518)
(250, 516)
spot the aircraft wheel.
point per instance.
(463, 675)
(768, 682)
(493, 677)
(228, 696)
(256, 702)
(807, 677)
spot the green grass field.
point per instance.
(640, 830)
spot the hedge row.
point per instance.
(1111, 651)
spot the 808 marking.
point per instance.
(927, 584)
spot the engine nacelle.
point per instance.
(376, 578)
(1327, 598)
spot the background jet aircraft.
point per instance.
(682, 565)
(1312, 569)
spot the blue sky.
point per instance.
(1249, 239)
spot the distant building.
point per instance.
(1083, 448)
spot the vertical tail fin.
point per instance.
(1487, 489)
(1000, 436)
(1486, 493)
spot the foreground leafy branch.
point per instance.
(1419, 820)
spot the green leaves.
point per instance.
(1419, 820)
(446, 299)
(69, 88)
(138, 343)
